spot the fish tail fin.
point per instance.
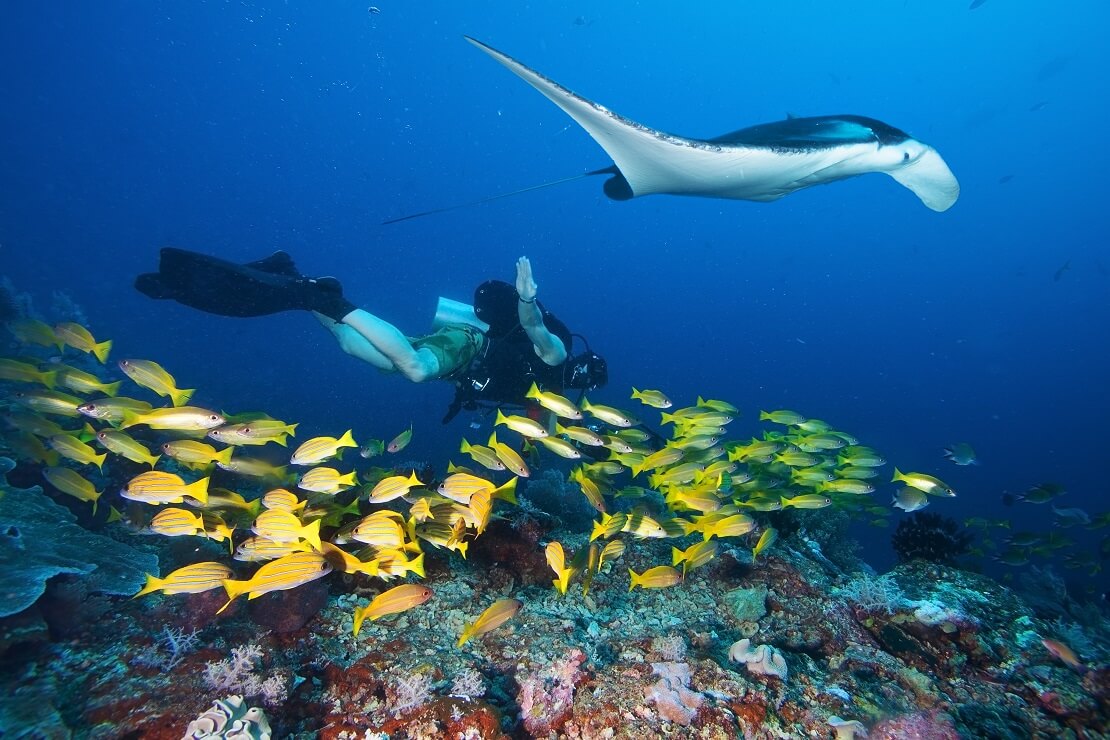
(677, 556)
(465, 446)
(152, 460)
(311, 533)
(112, 389)
(898, 475)
(129, 419)
(500, 418)
(416, 565)
(667, 418)
(101, 350)
(636, 580)
(98, 460)
(49, 379)
(153, 583)
(359, 617)
(347, 440)
(533, 392)
(224, 456)
(507, 492)
(181, 396)
(291, 429)
(467, 633)
(198, 490)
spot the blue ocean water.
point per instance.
(237, 128)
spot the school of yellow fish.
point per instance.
(694, 483)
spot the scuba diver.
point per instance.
(492, 351)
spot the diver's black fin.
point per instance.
(278, 263)
(606, 171)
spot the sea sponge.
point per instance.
(230, 719)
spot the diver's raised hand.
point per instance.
(525, 286)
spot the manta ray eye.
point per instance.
(905, 156)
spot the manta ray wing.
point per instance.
(761, 163)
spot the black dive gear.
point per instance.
(266, 286)
(507, 365)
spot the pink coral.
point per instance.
(917, 726)
(674, 701)
(547, 696)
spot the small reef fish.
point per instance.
(509, 457)
(694, 556)
(613, 550)
(522, 425)
(80, 381)
(392, 487)
(23, 372)
(256, 432)
(289, 571)
(112, 409)
(1041, 493)
(158, 487)
(373, 448)
(327, 480)
(32, 423)
(191, 452)
(922, 482)
(259, 549)
(49, 402)
(284, 526)
(180, 419)
(74, 449)
(393, 601)
(560, 447)
(910, 499)
(254, 468)
(400, 442)
(72, 483)
(554, 403)
(765, 541)
(661, 576)
(1059, 650)
(582, 435)
(81, 339)
(175, 522)
(484, 456)
(497, 614)
(192, 579)
(152, 376)
(319, 449)
(609, 414)
(29, 447)
(655, 399)
(282, 500)
(783, 416)
(33, 331)
(961, 453)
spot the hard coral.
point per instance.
(931, 537)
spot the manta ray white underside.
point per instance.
(759, 163)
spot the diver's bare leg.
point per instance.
(417, 365)
(356, 345)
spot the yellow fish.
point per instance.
(765, 541)
(925, 483)
(806, 501)
(609, 415)
(23, 372)
(81, 339)
(393, 601)
(318, 449)
(655, 399)
(382, 529)
(560, 447)
(124, 446)
(181, 419)
(256, 432)
(484, 456)
(157, 487)
(694, 556)
(191, 452)
(33, 331)
(613, 550)
(400, 442)
(510, 457)
(68, 481)
(79, 381)
(256, 549)
(289, 571)
(29, 447)
(255, 468)
(661, 576)
(582, 435)
(282, 500)
(784, 417)
(553, 402)
(497, 614)
(192, 579)
(556, 560)
(113, 409)
(284, 526)
(174, 522)
(345, 562)
(76, 450)
(521, 425)
(393, 487)
(152, 376)
(26, 421)
(49, 402)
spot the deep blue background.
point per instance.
(238, 127)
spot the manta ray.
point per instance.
(759, 163)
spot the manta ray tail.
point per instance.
(530, 188)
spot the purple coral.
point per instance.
(917, 726)
(674, 701)
(546, 696)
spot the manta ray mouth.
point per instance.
(930, 180)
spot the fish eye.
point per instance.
(245, 430)
(213, 417)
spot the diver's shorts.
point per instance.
(454, 346)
